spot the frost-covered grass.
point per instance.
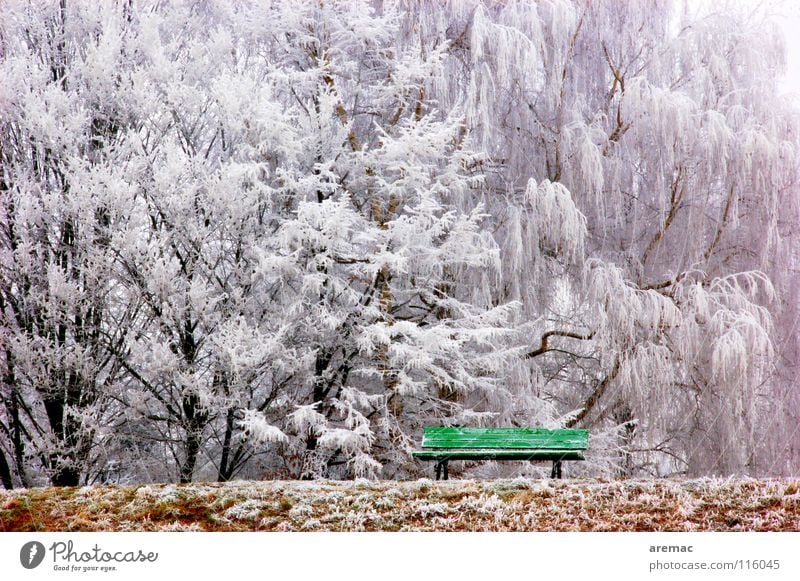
(422, 505)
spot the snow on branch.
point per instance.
(257, 431)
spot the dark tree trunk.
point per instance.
(14, 433)
(196, 420)
(66, 477)
(65, 462)
(310, 468)
(19, 445)
(189, 463)
(5, 472)
(225, 468)
(194, 413)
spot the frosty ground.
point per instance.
(421, 505)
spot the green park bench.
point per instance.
(442, 444)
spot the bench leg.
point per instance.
(556, 471)
(441, 469)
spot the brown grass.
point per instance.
(498, 505)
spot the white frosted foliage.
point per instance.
(278, 239)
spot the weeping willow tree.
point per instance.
(642, 176)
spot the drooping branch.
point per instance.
(544, 346)
(595, 396)
(562, 96)
(723, 223)
(619, 83)
(667, 284)
(676, 196)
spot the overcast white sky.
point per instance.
(791, 29)
(788, 16)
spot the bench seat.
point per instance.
(442, 444)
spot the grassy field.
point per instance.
(422, 505)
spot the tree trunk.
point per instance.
(196, 420)
(5, 472)
(16, 435)
(225, 470)
(189, 463)
(63, 461)
(311, 467)
(66, 476)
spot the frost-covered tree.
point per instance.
(59, 120)
(666, 164)
(371, 231)
(290, 229)
(272, 238)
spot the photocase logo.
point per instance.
(31, 554)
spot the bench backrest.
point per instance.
(515, 438)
